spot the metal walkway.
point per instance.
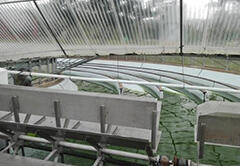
(100, 120)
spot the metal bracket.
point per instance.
(16, 143)
(56, 152)
(98, 147)
(8, 147)
(51, 154)
(98, 161)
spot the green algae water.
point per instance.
(177, 125)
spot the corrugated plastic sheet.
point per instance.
(87, 27)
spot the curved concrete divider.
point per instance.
(66, 84)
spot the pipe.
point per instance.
(85, 147)
(98, 161)
(127, 82)
(128, 154)
(92, 149)
(77, 146)
(106, 151)
(33, 139)
(76, 153)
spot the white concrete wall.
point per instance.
(3, 76)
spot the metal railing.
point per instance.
(127, 82)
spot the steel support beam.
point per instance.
(70, 66)
(16, 1)
(8, 147)
(98, 161)
(49, 28)
(51, 154)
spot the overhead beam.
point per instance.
(78, 63)
(49, 28)
(16, 1)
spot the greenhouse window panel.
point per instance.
(30, 28)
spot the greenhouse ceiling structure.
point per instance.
(31, 28)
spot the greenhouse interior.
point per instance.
(169, 68)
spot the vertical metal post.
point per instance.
(22, 149)
(201, 135)
(62, 157)
(39, 70)
(181, 37)
(181, 27)
(103, 130)
(48, 69)
(53, 68)
(55, 65)
(16, 108)
(102, 118)
(227, 63)
(57, 111)
(30, 65)
(39, 65)
(204, 96)
(154, 129)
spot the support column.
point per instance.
(3, 76)
(53, 65)
(40, 70)
(30, 65)
(47, 64)
(102, 119)
(154, 129)
(201, 140)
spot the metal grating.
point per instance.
(87, 27)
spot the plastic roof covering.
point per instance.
(87, 27)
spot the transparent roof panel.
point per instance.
(87, 27)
